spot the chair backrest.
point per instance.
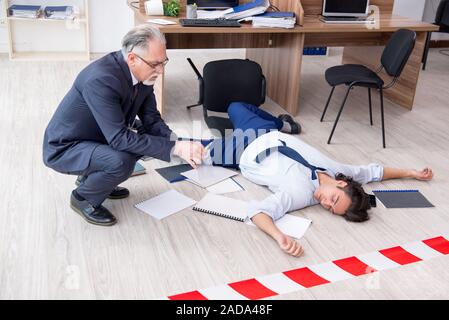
(442, 16)
(397, 51)
(232, 80)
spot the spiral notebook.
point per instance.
(402, 199)
(222, 206)
(225, 207)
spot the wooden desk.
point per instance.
(364, 45)
(279, 51)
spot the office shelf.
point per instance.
(50, 56)
(39, 20)
(80, 23)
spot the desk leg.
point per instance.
(403, 93)
(159, 93)
(281, 65)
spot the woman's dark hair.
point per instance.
(360, 201)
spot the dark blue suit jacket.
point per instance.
(99, 109)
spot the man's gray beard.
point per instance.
(149, 82)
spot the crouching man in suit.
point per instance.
(90, 133)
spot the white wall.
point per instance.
(429, 16)
(3, 43)
(413, 9)
(109, 21)
(424, 10)
(430, 10)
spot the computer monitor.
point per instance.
(214, 4)
(345, 8)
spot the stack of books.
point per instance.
(275, 20)
(246, 10)
(59, 12)
(24, 11)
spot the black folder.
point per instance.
(173, 174)
(402, 199)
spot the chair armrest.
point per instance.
(201, 91)
(264, 90)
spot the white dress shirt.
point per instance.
(134, 79)
(290, 181)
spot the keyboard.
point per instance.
(209, 23)
(346, 20)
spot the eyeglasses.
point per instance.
(153, 65)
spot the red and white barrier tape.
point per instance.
(307, 277)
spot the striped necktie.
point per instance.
(292, 154)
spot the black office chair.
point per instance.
(227, 81)
(441, 20)
(393, 60)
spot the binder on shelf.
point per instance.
(58, 12)
(24, 11)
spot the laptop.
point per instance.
(346, 12)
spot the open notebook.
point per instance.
(225, 186)
(222, 206)
(206, 176)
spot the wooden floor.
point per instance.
(48, 252)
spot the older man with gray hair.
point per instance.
(91, 133)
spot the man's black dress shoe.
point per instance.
(117, 193)
(296, 127)
(99, 216)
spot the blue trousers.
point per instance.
(107, 169)
(249, 123)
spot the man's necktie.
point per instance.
(292, 154)
(136, 91)
(133, 112)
